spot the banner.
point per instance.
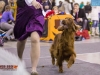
(95, 2)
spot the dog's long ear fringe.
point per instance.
(78, 27)
(7, 58)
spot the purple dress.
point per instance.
(28, 20)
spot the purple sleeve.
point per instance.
(10, 16)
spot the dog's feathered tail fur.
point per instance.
(7, 58)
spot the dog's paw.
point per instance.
(69, 65)
(60, 71)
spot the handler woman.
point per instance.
(29, 22)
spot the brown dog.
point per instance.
(63, 45)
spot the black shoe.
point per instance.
(5, 39)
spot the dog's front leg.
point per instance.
(59, 62)
(60, 69)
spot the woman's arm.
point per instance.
(34, 3)
(10, 16)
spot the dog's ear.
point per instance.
(64, 22)
(71, 20)
(78, 27)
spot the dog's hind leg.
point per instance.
(71, 60)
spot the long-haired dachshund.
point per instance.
(63, 45)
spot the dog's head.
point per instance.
(68, 24)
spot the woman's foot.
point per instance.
(34, 73)
(12, 38)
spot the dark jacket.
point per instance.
(81, 14)
(45, 4)
(87, 8)
(53, 4)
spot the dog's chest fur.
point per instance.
(67, 39)
(66, 43)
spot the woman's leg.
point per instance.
(20, 48)
(97, 28)
(93, 28)
(35, 50)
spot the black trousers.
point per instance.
(85, 24)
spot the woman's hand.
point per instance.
(36, 4)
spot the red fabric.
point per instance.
(78, 33)
(50, 13)
(84, 33)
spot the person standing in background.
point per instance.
(52, 3)
(60, 6)
(82, 5)
(88, 8)
(95, 20)
(67, 6)
(72, 3)
(99, 19)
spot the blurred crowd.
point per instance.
(84, 15)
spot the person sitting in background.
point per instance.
(2, 4)
(80, 16)
(46, 5)
(57, 11)
(54, 11)
(4, 25)
(6, 3)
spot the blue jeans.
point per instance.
(95, 23)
